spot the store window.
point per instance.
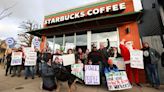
(58, 43)
(97, 38)
(50, 44)
(69, 38)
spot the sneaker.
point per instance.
(139, 85)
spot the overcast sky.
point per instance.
(34, 10)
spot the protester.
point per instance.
(126, 47)
(94, 56)
(113, 52)
(38, 62)
(70, 51)
(80, 55)
(8, 58)
(86, 56)
(104, 53)
(17, 68)
(112, 67)
(151, 59)
(48, 75)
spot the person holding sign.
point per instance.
(8, 58)
(16, 63)
(126, 47)
(151, 59)
(112, 67)
(48, 75)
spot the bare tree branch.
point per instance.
(5, 12)
(27, 26)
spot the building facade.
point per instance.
(92, 24)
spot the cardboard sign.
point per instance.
(117, 81)
(119, 62)
(16, 58)
(30, 59)
(92, 75)
(68, 59)
(136, 59)
(77, 70)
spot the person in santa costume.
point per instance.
(126, 47)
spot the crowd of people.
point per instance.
(96, 56)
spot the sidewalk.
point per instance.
(19, 84)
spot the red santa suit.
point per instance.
(130, 71)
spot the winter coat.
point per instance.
(48, 75)
(154, 55)
(125, 53)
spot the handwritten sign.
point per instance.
(117, 81)
(30, 59)
(92, 75)
(16, 58)
(119, 62)
(68, 59)
(77, 70)
(136, 58)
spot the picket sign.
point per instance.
(117, 81)
(68, 59)
(16, 58)
(77, 70)
(136, 59)
(92, 75)
(30, 59)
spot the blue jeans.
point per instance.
(152, 74)
(29, 70)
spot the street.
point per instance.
(19, 84)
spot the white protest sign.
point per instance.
(92, 75)
(68, 59)
(30, 59)
(16, 58)
(119, 62)
(117, 81)
(77, 70)
(136, 59)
